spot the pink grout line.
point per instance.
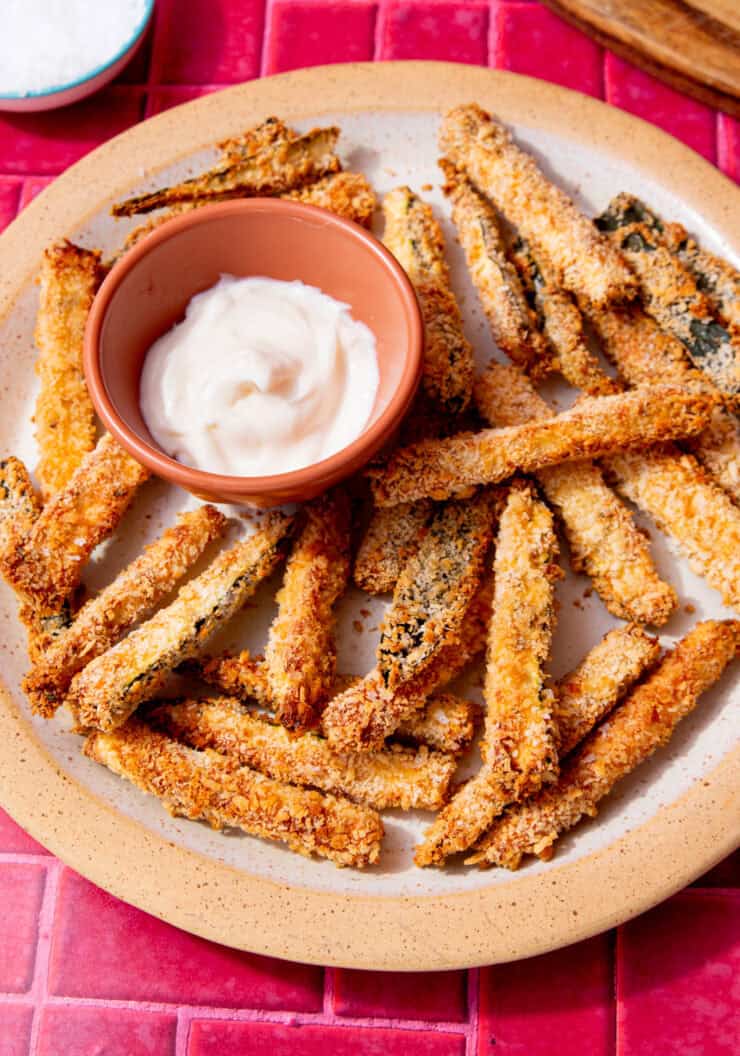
(330, 982)
(182, 1032)
(381, 16)
(471, 1048)
(267, 32)
(40, 985)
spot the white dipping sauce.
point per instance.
(260, 377)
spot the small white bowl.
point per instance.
(64, 94)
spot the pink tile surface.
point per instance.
(435, 29)
(254, 1039)
(396, 995)
(15, 1029)
(161, 963)
(530, 39)
(21, 891)
(565, 995)
(639, 93)
(82, 974)
(84, 1031)
(691, 1003)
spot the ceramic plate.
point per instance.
(666, 824)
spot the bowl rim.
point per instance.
(96, 71)
(358, 451)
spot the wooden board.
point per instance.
(695, 48)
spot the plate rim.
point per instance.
(520, 917)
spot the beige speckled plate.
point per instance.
(672, 820)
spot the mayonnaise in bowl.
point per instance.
(261, 377)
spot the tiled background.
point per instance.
(82, 974)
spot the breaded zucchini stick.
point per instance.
(301, 653)
(446, 723)
(392, 537)
(64, 416)
(585, 695)
(112, 686)
(45, 565)
(512, 321)
(435, 589)
(671, 296)
(347, 194)
(562, 325)
(132, 596)
(643, 354)
(396, 777)
(582, 260)
(636, 729)
(603, 539)
(715, 277)
(414, 237)
(365, 714)
(19, 503)
(439, 469)
(256, 139)
(519, 746)
(210, 787)
(676, 492)
(279, 167)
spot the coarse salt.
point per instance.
(47, 44)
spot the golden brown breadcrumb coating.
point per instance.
(300, 656)
(209, 787)
(393, 536)
(414, 237)
(396, 777)
(643, 354)
(19, 503)
(132, 596)
(685, 504)
(279, 167)
(636, 729)
(597, 425)
(603, 539)
(582, 259)
(435, 589)
(519, 746)
(64, 416)
(361, 717)
(512, 321)
(112, 686)
(44, 566)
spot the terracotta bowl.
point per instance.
(148, 290)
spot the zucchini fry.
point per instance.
(391, 539)
(588, 693)
(512, 321)
(439, 469)
(301, 653)
(715, 277)
(643, 354)
(446, 723)
(281, 166)
(676, 492)
(603, 539)
(361, 717)
(562, 325)
(64, 415)
(396, 777)
(634, 731)
(133, 595)
(111, 687)
(435, 589)
(414, 237)
(44, 566)
(519, 747)
(19, 503)
(255, 140)
(582, 260)
(210, 787)
(671, 296)
(347, 194)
